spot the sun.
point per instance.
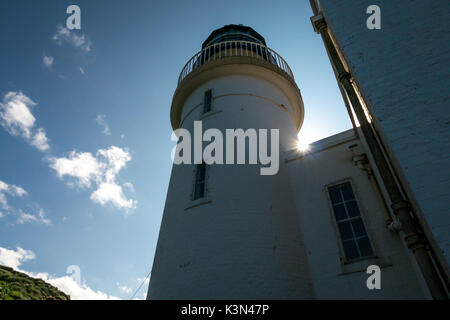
(302, 146)
(306, 136)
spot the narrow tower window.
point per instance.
(207, 101)
(355, 242)
(200, 181)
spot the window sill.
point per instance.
(209, 113)
(360, 265)
(198, 202)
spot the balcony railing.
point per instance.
(234, 49)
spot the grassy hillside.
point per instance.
(18, 286)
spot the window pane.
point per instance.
(365, 247)
(339, 212)
(358, 227)
(199, 190)
(347, 191)
(199, 187)
(345, 230)
(207, 101)
(351, 251)
(197, 193)
(335, 195)
(201, 172)
(352, 208)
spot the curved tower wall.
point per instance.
(242, 240)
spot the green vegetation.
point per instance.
(16, 285)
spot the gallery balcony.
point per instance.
(229, 52)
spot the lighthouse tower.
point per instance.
(227, 231)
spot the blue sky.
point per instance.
(84, 183)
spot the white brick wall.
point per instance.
(403, 73)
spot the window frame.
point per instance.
(204, 111)
(362, 216)
(194, 185)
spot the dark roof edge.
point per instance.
(238, 27)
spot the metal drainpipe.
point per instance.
(401, 208)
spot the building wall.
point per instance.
(403, 75)
(329, 161)
(243, 240)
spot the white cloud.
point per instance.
(67, 284)
(146, 280)
(47, 61)
(3, 186)
(15, 114)
(3, 201)
(129, 185)
(22, 217)
(40, 140)
(14, 258)
(64, 35)
(125, 290)
(110, 192)
(17, 191)
(116, 159)
(17, 119)
(39, 217)
(76, 291)
(83, 166)
(100, 119)
(11, 190)
(81, 70)
(100, 170)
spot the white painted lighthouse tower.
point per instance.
(227, 231)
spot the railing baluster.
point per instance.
(210, 53)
